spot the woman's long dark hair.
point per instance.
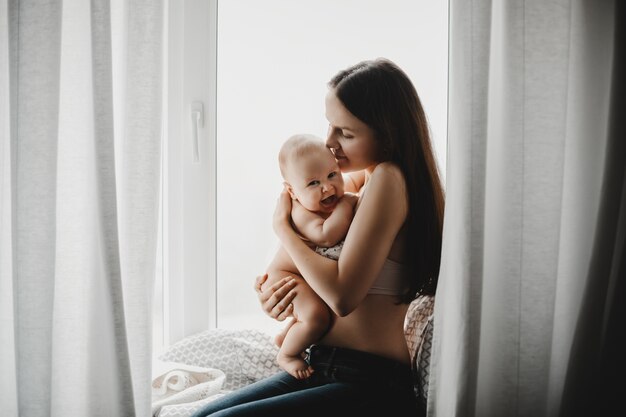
(381, 95)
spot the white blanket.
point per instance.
(178, 383)
(203, 367)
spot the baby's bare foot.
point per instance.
(296, 366)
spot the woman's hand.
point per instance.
(282, 213)
(276, 300)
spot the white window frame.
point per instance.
(189, 186)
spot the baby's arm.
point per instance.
(325, 232)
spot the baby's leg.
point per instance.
(278, 339)
(311, 319)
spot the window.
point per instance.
(260, 71)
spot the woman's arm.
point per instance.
(324, 232)
(343, 284)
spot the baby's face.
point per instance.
(316, 181)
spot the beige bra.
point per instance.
(392, 279)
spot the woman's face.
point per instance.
(352, 141)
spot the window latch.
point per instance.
(197, 122)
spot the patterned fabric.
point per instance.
(245, 356)
(423, 361)
(331, 253)
(418, 328)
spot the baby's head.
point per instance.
(311, 173)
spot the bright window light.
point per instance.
(274, 60)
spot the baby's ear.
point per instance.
(290, 190)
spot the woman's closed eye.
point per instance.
(341, 132)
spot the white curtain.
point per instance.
(527, 316)
(80, 126)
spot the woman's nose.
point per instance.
(331, 141)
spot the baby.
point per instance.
(321, 214)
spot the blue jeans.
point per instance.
(345, 382)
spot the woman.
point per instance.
(379, 135)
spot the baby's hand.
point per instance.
(282, 213)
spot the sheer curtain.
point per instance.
(80, 85)
(529, 310)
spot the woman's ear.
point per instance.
(290, 190)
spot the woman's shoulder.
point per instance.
(387, 174)
(385, 184)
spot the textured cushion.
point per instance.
(245, 356)
(418, 328)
